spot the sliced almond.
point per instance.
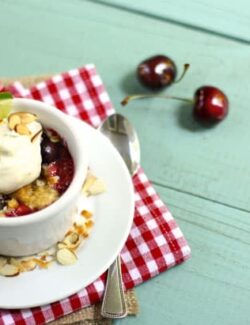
(22, 129)
(42, 264)
(27, 118)
(68, 232)
(72, 241)
(66, 257)
(71, 238)
(61, 245)
(97, 187)
(79, 223)
(73, 247)
(15, 261)
(90, 179)
(3, 261)
(9, 270)
(43, 258)
(55, 138)
(13, 121)
(35, 136)
(89, 223)
(81, 229)
(28, 265)
(87, 214)
(23, 264)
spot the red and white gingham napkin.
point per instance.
(155, 243)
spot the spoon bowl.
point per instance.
(123, 136)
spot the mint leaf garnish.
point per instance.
(5, 104)
(5, 95)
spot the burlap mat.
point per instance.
(90, 315)
(27, 81)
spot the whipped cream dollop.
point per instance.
(20, 158)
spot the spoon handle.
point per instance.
(114, 305)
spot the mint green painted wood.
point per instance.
(204, 175)
(229, 18)
(212, 288)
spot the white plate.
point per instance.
(113, 214)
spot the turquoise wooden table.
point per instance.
(202, 174)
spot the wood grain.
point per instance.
(213, 287)
(203, 174)
(207, 15)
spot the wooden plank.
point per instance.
(227, 18)
(213, 287)
(213, 163)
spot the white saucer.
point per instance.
(113, 215)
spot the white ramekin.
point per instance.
(35, 232)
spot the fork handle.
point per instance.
(114, 304)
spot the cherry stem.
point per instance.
(142, 96)
(185, 69)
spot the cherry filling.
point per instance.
(62, 168)
(21, 210)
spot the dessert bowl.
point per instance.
(35, 232)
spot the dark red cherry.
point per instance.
(49, 150)
(2, 201)
(157, 72)
(210, 104)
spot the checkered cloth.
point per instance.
(155, 243)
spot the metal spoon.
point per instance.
(123, 136)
